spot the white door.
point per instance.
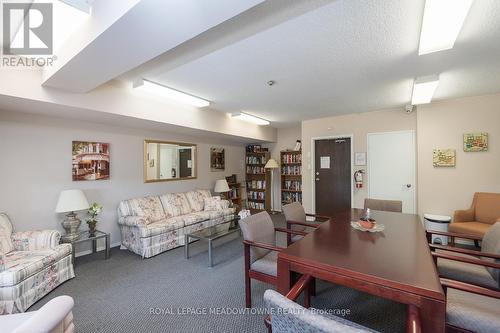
(391, 167)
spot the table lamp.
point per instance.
(69, 202)
(272, 164)
(222, 187)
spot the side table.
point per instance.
(85, 237)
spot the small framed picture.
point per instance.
(360, 158)
(217, 159)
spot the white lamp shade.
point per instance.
(221, 186)
(71, 201)
(271, 164)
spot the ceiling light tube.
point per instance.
(172, 94)
(424, 89)
(442, 22)
(249, 118)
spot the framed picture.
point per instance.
(360, 159)
(475, 142)
(90, 160)
(217, 159)
(444, 157)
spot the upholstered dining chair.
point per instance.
(384, 205)
(286, 316)
(54, 317)
(260, 250)
(480, 268)
(296, 219)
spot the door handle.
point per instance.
(317, 179)
(408, 185)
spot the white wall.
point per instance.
(442, 125)
(35, 166)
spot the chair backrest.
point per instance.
(258, 228)
(384, 205)
(491, 244)
(295, 212)
(288, 316)
(486, 207)
(6, 229)
(54, 317)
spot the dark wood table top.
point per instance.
(398, 257)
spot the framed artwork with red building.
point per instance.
(90, 160)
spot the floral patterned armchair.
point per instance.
(32, 263)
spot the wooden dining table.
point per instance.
(395, 264)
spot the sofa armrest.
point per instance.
(133, 221)
(466, 215)
(35, 240)
(2, 262)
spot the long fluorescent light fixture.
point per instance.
(252, 119)
(423, 89)
(443, 20)
(175, 95)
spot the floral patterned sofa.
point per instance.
(154, 224)
(32, 263)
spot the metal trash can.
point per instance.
(437, 223)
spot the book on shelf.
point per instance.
(294, 170)
(295, 185)
(288, 158)
(256, 184)
(289, 197)
(256, 160)
(255, 170)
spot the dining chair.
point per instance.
(480, 268)
(384, 205)
(296, 219)
(260, 250)
(286, 316)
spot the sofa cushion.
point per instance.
(6, 244)
(175, 204)
(147, 207)
(268, 264)
(196, 199)
(161, 227)
(20, 265)
(196, 217)
(470, 228)
(212, 203)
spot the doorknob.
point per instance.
(317, 179)
(408, 185)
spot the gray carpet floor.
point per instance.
(129, 294)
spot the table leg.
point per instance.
(432, 315)
(186, 246)
(73, 254)
(106, 255)
(210, 262)
(94, 245)
(284, 276)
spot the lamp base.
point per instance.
(71, 225)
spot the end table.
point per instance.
(84, 237)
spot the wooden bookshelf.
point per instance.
(234, 194)
(291, 176)
(257, 179)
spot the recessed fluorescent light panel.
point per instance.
(252, 119)
(443, 20)
(423, 89)
(172, 94)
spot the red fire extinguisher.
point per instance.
(358, 178)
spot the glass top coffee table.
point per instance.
(210, 234)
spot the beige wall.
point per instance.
(441, 125)
(358, 125)
(36, 165)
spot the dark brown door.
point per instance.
(184, 157)
(332, 176)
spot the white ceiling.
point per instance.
(346, 56)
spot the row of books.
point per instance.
(295, 185)
(256, 184)
(255, 205)
(256, 195)
(234, 193)
(289, 197)
(291, 170)
(256, 148)
(256, 160)
(291, 158)
(257, 170)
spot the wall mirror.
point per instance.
(166, 161)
